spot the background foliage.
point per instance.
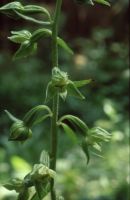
(99, 37)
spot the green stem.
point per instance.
(54, 138)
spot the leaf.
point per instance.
(26, 49)
(38, 34)
(34, 9)
(73, 91)
(50, 92)
(76, 121)
(69, 132)
(44, 158)
(14, 119)
(82, 82)
(42, 188)
(103, 2)
(20, 36)
(36, 115)
(32, 19)
(85, 149)
(64, 45)
(24, 195)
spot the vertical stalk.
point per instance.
(54, 138)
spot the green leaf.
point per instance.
(31, 19)
(76, 121)
(20, 36)
(64, 45)
(82, 83)
(42, 188)
(34, 9)
(103, 2)
(24, 195)
(26, 49)
(36, 115)
(48, 33)
(69, 132)
(50, 92)
(44, 158)
(73, 91)
(38, 34)
(14, 119)
(85, 149)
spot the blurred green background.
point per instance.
(99, 37)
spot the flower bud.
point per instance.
(59, 78)
(19, 132)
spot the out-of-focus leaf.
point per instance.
(85, 149)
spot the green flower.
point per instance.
(19, 131)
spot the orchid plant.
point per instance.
(41, 180)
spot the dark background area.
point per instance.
(99, 37)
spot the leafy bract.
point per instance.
(29, 41)
(69, 132)
(73, 90)
(104, 2)
(85, 148)
(26, 49)
(64, 45)
(82, 83)
(76, 121)
(37, 115)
